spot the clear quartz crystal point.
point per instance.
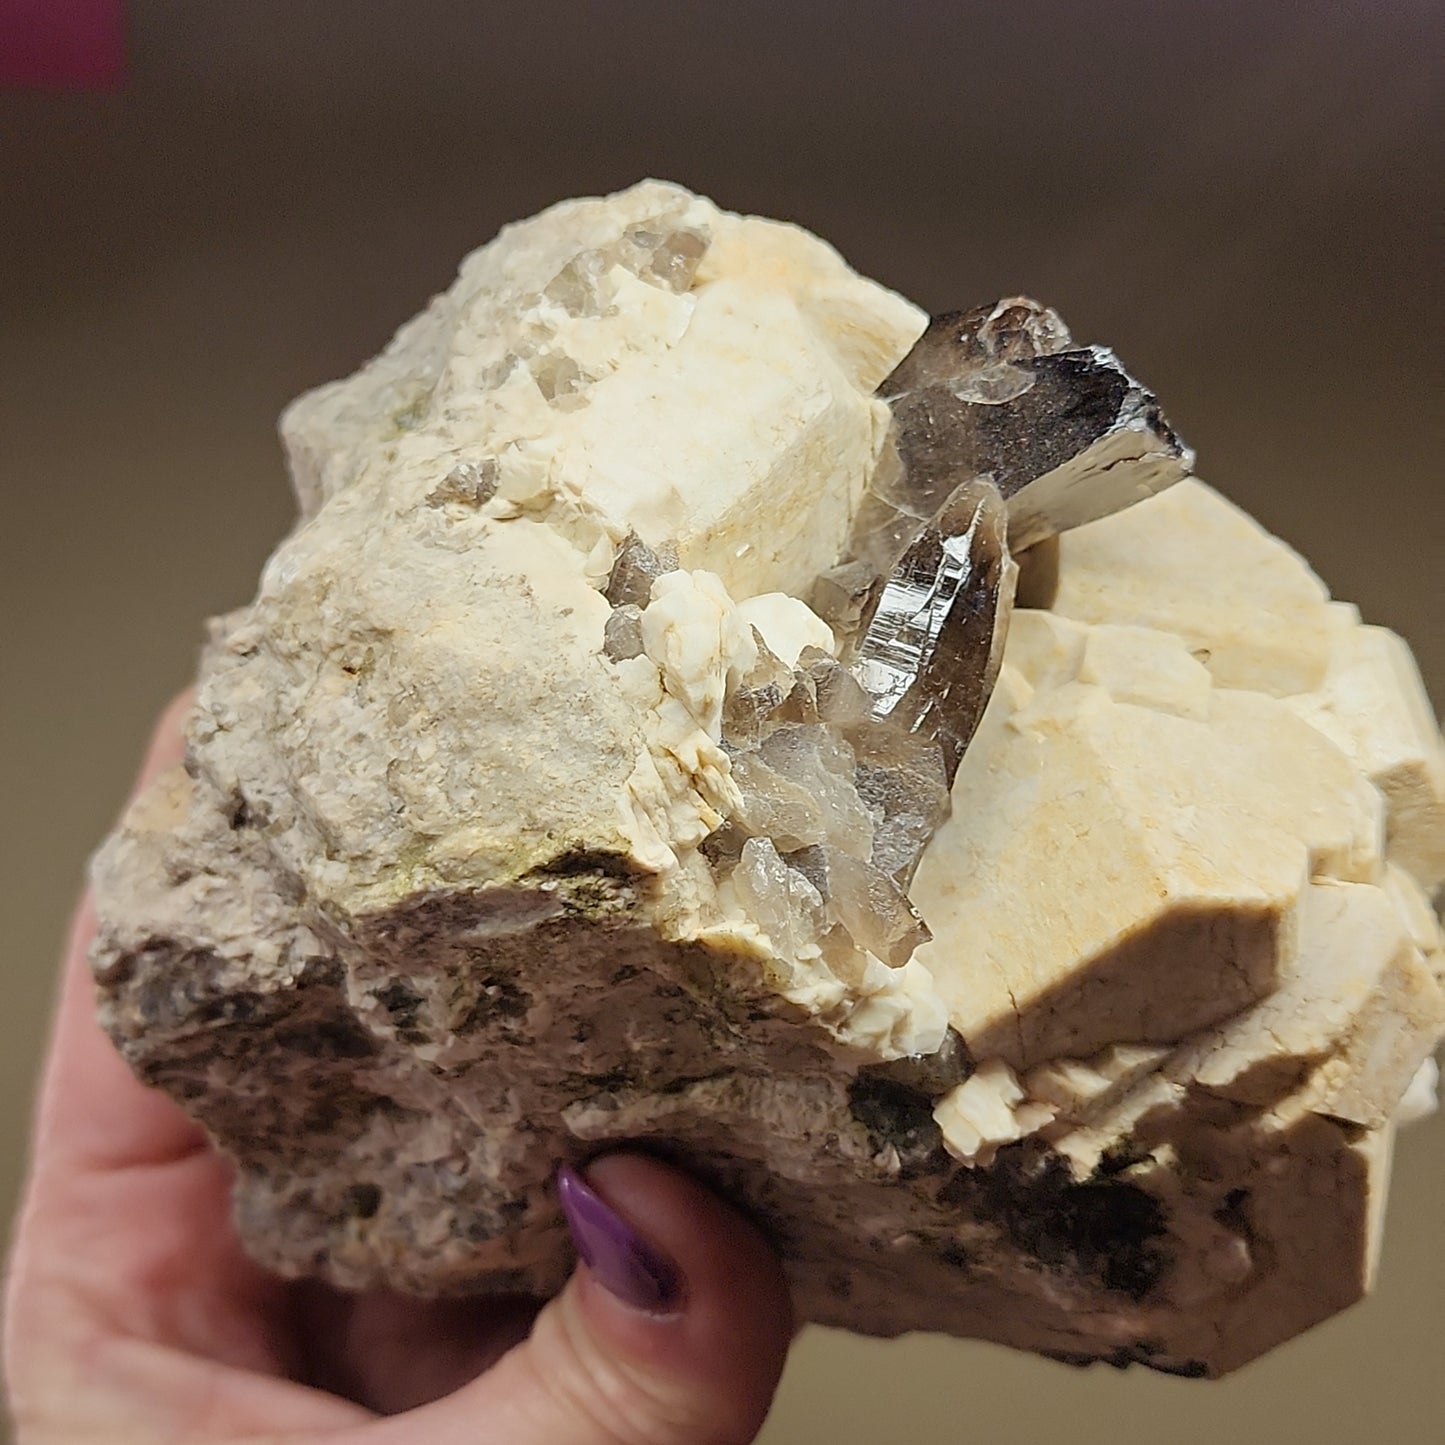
(1004, 433)
(929, 657)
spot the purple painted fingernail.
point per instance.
(624, 1263)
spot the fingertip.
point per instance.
(673, 1329)
(721, 1255)
(167, 745)
(614, 1253)
(728, 1322)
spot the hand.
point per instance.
(134, 1318)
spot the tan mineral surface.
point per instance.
(549, 795)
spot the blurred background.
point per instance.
(1243, 198)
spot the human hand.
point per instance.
(134, 1318)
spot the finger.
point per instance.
(129, 1310)
(673, 1332)
(93, 1112)
(79, 1234)
(392, 1353)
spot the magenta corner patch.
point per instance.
(62, 44)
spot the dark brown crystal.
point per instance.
(637, 567)
(929, 656)
(1064, 432)
(1004, 434)
(622, 633)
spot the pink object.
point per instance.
(625, 1264)
(62, 44)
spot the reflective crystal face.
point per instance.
(929, 655)
(1002, 393)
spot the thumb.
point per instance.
(672, 1331)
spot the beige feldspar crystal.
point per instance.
(450, 888)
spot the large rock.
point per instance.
(465, 876)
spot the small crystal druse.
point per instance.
(707, 702)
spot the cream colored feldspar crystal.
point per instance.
(532, 806)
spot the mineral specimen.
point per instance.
(634, 742)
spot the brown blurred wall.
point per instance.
(1240, 196)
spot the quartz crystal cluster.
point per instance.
(704, 702)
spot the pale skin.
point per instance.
(133, 1317)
